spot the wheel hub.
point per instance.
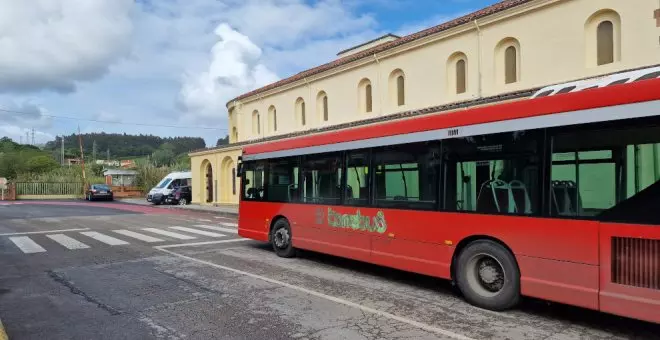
(282, 238)
(491, 274)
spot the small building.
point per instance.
(120, 177)
(123, 182)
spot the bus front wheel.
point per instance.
(488, 275)
(281, 239)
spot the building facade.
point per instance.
(514, 46)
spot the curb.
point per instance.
(3, 334)
(212, 212)
(218, 213)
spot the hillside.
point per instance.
(16, 159)
(123, 145)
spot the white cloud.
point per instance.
(20, 117)
(23, 113)
(53, 44)
(284, 23)
(173, 62)
(235, 67)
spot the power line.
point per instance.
(113, 122)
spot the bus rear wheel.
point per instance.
(280, 237)
(488, 275)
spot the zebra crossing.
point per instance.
(79, 239)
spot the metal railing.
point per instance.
(49, 188)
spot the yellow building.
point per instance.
(505, 51)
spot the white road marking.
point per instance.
(229, 224)
(226, 230)
(204, 220)
(201, 243)
(199, 232)
(141, 237)
(26, 245)
(170, 234)
(67, 241)
(104, 238)
(411, 322)
(44, 232)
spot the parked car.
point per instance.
(181, 196)
(97, 191)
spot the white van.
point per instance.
(166, 186)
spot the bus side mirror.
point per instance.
(239, 170)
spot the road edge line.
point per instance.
(179, 245)
(421, 325)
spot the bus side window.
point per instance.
(496, 173)
(358, 179)
(282, 180)
(254, 180)
(321, 179)
(406, 176)
(608, 172)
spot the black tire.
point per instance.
(280, 238)
(488, 276)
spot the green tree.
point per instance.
(222, 141)
(97, 169)
(40, 164)
(162, 157)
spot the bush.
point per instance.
(68, 174)
(40, 164)
(148, 176)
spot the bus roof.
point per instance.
(518, 115)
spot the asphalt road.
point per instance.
(88, 270)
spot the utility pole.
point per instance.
(94, 150)
(107, 154)
(33, 136)
(82, 157)
(62, 150)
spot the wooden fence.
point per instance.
(46, 190)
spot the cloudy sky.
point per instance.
(143, 66)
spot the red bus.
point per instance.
(551, 197)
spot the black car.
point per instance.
(99, 191)
(181, 196)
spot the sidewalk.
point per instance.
(227, 210)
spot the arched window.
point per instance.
(256, 129)
(325, 108)
(301, 117)
(365, 98)
(461, 76)
(602, 33)
(400, 90)
(322, 106)
(510, 65)
(397, 86)
(457, 78)
(272, 119)
(605, 42)
(369, 99)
